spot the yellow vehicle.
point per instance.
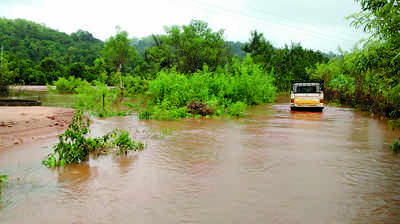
(307, 95)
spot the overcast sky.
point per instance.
(316, 24)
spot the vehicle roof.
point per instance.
(307, 81)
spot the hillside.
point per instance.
(29, 40)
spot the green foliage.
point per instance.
(118, 49)
(5, 78)
(122, 140)
(260, 49)
(343, 83)
(367, 78)
(72, 146)
(75, 147)
(288, 63)
(171, 92)
(135, 85)
(29, 40)
(3, 179)
(98, 99)
(39, 55)
(70, 85)
(396, 146)
(237, 109)
(188, 48)
(381, 18)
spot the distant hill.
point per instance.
(142, 43)
(236, 48)
(29, 40)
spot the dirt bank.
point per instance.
(21, 125)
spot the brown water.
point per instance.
(273, 166)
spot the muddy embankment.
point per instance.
(20, 125)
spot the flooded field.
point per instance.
(272, 166)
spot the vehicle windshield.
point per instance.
(307, 89)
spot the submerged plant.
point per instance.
(122, 140)
(396, 146)
(75, 147)
(3, 179)
(69, 85)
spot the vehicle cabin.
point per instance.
(307, 95)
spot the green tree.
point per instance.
(189, 47)
(5, 76)
(381, 18)
(51, 69)
(260, 49)
(287, 63)
(78, 70)
(118, 50)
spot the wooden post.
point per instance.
(103, 100)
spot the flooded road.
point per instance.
(273, 166)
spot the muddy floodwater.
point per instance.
(272, 166)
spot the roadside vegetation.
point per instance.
(75, 146)
(369, 77)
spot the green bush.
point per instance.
(122, 140)
(70, 85)
(367, 78)
(75, 147)
(170, 93)
(3, 179)
(237, 109)
(396, 146)
(135, 85)
(5, 80)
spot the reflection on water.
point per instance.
(47, 99)
(273, 166)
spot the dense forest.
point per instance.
(35, 54)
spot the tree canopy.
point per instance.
(189, 47)
(29, 40)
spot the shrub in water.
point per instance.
(69, 85)
(396, 146)
(3, 179)
(171, 94)
(75, 147)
